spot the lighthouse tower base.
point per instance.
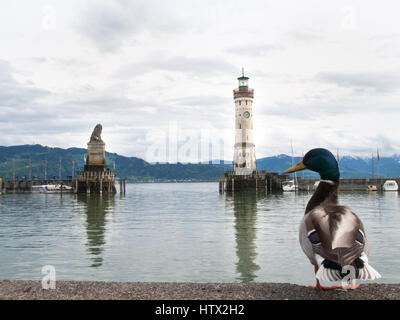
(256, 180)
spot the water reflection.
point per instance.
(97, 208)
(245, 212)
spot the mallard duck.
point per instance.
(331, 235)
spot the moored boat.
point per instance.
(51, 188)
(390, 185)
(289, 186)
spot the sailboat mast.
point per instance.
(372, 164)
(295, 175)
(378, 161)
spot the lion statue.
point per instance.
(96, 134)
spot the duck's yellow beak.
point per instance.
(297, 167)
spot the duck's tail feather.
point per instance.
(328, 274)
(368, 273)
(330, 271)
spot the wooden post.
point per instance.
(76, 186)
(120, 186)
(221, 185)
(124, 186)
(101, 186)
(233, 185)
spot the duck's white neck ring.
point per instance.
(328, 181)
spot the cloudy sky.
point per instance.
(159, 75)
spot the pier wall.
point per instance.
(272, 182)
(102, 181)
(258, 179)
(347, 184)
(25, 186)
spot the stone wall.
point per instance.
(96, 153)
(96, 182)
(259, 179)
(22, 186)
(348, 184)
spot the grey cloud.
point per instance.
(317, 108)
(60, 61)
(305, 35)
(380, 81)
(108, 24)
(388, 50)
(388, 144)
(191, 66)
(384, 37)
(288, 110)
(14, 93)
(38, 59)
(205, 100)
(197, 65)
(100, 104)
(255, 49)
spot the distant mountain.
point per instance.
(16, 159)
(350, 167)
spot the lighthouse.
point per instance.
(245, 175)
(244, 158)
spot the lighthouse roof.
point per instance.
(243, 77)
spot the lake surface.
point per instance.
(178, 232)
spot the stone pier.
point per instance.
(96, 182)
(25, 186)
(257, 180)
(96, 177)
(346, 184)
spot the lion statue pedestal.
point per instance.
(96, 177)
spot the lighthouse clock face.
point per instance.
(246, 114)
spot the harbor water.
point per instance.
(185, 232)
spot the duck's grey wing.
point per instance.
(336, 234)
(339, 231)
(305, 242)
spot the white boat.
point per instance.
(289, 186)
(371, 188)
(51, 188)
(390, 185)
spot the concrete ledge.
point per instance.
(76, 290)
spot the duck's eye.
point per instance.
(360, 237)
(313, 236)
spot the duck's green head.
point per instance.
(321, 161)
